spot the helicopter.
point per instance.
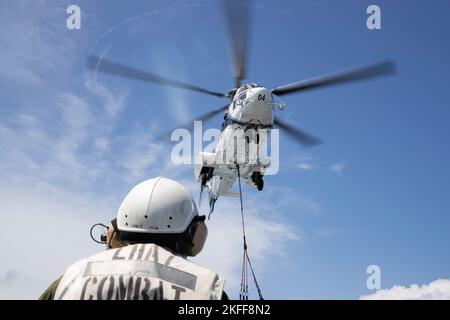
(249, 114)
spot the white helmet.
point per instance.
(157, 205)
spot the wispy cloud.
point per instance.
(139, 155)
(305, 166)
(55, 223)
(176, 98)
(112, 103)
(435, 290)
(267, 238)
(302, 161)
(72, 135)
(337, 168)
(33, 49)
(286, 196)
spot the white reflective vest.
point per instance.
(138, 272)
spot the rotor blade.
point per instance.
(359, 73)
(117, 69)
(304, 138)
(190, 125)
(237, 20)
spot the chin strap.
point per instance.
(243, 293)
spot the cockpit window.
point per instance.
(242, 95)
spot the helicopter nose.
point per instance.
(262, 95)
(259, 109)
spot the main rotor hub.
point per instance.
(233, 92)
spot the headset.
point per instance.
(103, 235)
(192, 240)
(197, 233)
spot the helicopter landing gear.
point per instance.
(257, 179)
(203, 179)
(205, 174)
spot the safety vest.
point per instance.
(138, 272)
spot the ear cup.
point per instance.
(191, 232)
(192, 241)
(198, 236)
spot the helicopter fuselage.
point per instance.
(245, 128)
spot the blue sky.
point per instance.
(375, 192)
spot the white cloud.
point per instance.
(286, 196)
(266, 237)
(178, 106)
(139, 155)
(46, 230)
(305, 166)
(338, 168)
(176, 98)
(112, 102)
(302, 160)
(69, 140)
(33, 49)
(436, 290)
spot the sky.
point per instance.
(376, 192)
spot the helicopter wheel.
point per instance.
(260, 184)
(258, 180)
(203, 178)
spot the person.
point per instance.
(156, 229)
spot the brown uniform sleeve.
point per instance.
(225, 296)
(49, 294)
